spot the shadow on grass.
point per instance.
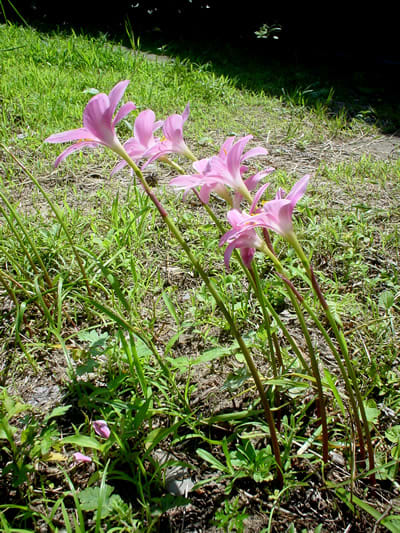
(345, 83)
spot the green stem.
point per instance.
(267, 318)
(344, 351)
(273, 348)
(294, 296)
(249, 360)
(253, 277)
(8, 289)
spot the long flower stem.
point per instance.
(266, 305)
(344, 351)
(294, 296)
(235, 332)
(267, 318)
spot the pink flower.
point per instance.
(98, 123)
(143, 144)
(277, 214)
(200, 179)
(100, 427)
(173, 141)
(217, 173)
(80, 458)
(243, 236)
(227, 167)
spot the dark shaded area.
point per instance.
(347, 61)
(370, 34)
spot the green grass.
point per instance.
(100, 304)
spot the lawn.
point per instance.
(148, 385)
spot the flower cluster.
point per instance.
(222, 174)
(250, 218)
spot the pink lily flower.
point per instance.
(227, 168)
(243, 236)
(173, 141)
(200, 179)
(143, 143)
(277, 214)
(98, 123)
(80, 458)
(100, 427)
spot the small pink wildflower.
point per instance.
(98, 123)
(80, 458)
(143, 144)
(277, 213)
(224, 170)
(243, 236)
(100, 427)
(172, 141)
(227, 167)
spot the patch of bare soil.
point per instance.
(303, 161)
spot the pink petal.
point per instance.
(143, 127)
(185, 113)
(116, 93)
(201, 165)
(298, 189)
(157, 124)
(123, 111)
(173, 129)
(226, 147)
(257, 197)
(246, 243)
(247, 255)
(254, 152)
(96, 120)
(71, 135)
(80, 458)
(100, 427)
(74, 148)
(186, 181)
(118, 166)
(235, 217)
(228, 254)
(252, 182)
(205, 192)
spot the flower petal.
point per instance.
(254, 152)
(100, 427)
(143, 127)
(74, 148)
(118, 166)
(71, 135)
(80, 458)
(115, 95)
(95, 119)
(123, 111)
(257, 197)
(185, 114)
(298, 189)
